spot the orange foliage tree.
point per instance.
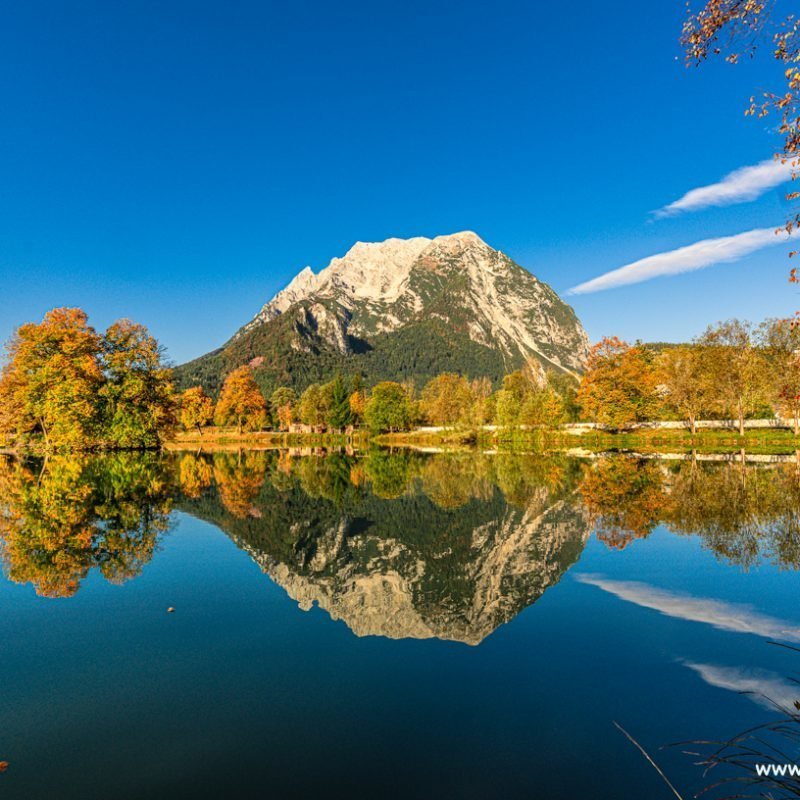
(283, 403)
(75, 389)
(619, 385)
(241, 401)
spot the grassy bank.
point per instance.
(766, 441)
(225, 438)
(710, 441)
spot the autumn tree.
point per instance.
(542, 408)
(358, 404)
(389, 408)
(736, 370)
(683, 374)
(446, 400)
(51, 378)
(510, 397)
(619, 385)
(138, 402)
(283, 404)
(241, 402)
(357, 400)
(780, 339)
(196, 409)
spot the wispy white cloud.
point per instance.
(724, 616)
(739, 186)
(695, 256)
(762, 687)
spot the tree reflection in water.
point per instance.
(392, 516)
(400, 544)
(744, 513)
(63, 517)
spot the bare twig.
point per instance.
(647, 756)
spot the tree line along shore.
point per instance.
(66, 386)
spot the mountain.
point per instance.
(399, 309)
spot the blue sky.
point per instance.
(178, 163)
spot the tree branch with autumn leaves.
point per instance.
(737, 28)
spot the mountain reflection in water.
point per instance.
(395, 544)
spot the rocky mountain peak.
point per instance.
(409, 308)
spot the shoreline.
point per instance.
(653, 438)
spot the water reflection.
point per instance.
(744, 513)
(400, 545)
(396, 544)
(61, 518)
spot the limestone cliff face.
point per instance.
(404, 308)
(387, 285)
(379, 587)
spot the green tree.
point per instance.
(339, 415)
(388, 408)
(542, 407)
(312, 408)
(138, 401)
(196, 409)
(566, 387)
(282, 403)
(509, 399)
(241, 402)
(736, 369)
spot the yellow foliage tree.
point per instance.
(51, 378)
(197, 409)
(446, 399)
(241, 402)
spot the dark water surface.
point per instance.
(387, 625)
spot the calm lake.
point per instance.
(388, 624)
